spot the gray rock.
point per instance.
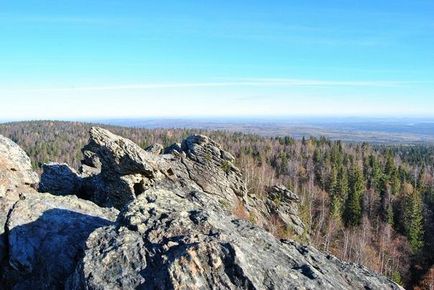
(41, 235)
(118, 155)
(54, 172)
(177, 233)
(90, 165)
(156, 149)
(16, 177)
(166, 241)
(212, 168)
(15, 164)
(283, 204)
(46, 238)
(173, 149)
(115, 171)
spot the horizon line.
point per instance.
(223, 118)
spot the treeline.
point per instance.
(367, 204)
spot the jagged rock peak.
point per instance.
(118, 155)
(156, 149)
(115, 171)
(282, 194)
(198, 145)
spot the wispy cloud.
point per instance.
(34, 19)
(247, 82)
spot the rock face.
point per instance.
(115, 171)
(42, 236)
(175, 229)
(166, 241)
(284, 204)
(53, 172)
(16, 169)
(46, 236)
(16, 176)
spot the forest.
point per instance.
(369, 204)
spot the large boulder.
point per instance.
(46, 236)
(42, 236)
(115, 171)
(118, 156)
(167, 241)
(283, 204)
(54, 172)
(16, 177)
(15, 167)
(212, 168)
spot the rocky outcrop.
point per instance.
(212, 168)
(53, 172)
(42, 236)
(115, 171)
(156, 149)
(166, 241)
(283, 204)
(46, 237)
(16, 176)
(175, 229)
(16, 169)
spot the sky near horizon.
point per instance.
(115, 59)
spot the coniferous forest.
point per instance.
(369, 204)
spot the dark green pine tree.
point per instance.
(333, 189)
(341, 189)
(390, 166)
(353, 204)
(386, 209)
(413, 220)
(375, 177)
(421, 180)
(395, 182)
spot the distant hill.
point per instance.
(403, 131)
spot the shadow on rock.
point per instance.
(43, 253)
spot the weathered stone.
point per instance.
(55, 172)
(165, 241)
(16, 168)
(211, 167)
(16, 177)
(283, 203)
(156, 149)
(173, 149)
(118, 155)
(115, 170)
(46, 235)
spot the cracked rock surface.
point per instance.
(165, 241)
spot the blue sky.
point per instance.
(102, 59)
